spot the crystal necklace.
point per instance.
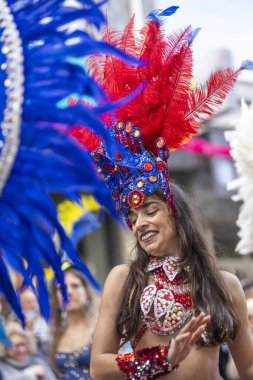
(166, 305)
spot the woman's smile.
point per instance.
(153, 227)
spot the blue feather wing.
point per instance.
(48, 160)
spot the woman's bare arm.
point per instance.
(106, 342)
(242, 347)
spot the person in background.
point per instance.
(231, 371)
(34, 322)
(72, 327)
(20, 362)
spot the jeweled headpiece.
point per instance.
(162, 117)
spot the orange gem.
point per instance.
(99, 169)
(124, 198)
(160, 143)
(120, 125)
(140, 184)
(128, 127)
(148, 166)
(152, 178)
(96, 158)
(137, 133)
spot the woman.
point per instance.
(173, 278)
(72, 326)
(20, 361)
(162, 234)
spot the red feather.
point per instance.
(86, 138)
(167, 105)
(205, 101)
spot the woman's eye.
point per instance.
(152, 213)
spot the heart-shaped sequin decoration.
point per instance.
(164, 299)
(175, 317)
(170, 268)
(147, 298)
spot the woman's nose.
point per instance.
(140, 222)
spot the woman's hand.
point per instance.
(181, 346)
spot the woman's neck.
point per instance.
(75, 318)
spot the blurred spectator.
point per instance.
(34, 322)
(72, 327)
(20, 362)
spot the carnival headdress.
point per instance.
(37, 155)
(162, 117)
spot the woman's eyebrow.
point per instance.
(146, 205)
(149, 203)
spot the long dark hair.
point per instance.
(209, 291)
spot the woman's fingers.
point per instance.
(195, 323)
(183, 343)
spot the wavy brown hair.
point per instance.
(209, 290)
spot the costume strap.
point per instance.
(139, 335)
(146, 364)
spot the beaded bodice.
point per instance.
(166, 303)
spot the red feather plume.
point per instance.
(86, 138)
(167, 105)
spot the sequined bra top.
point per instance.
(166, 304)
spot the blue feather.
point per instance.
(48, 160)
(3, 337)
(156, 15)
(247, 65)
(193, 35)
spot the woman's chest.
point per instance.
(72, 340)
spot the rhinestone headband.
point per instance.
(14, 90)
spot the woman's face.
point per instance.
(19, 350)
(76, 293)
(153, 227)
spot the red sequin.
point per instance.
(146, 364)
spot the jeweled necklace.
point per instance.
(166, 305)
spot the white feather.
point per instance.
(241, 140)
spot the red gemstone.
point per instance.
(148, 166)
(135, 198)
(107, 167)
(160, 166)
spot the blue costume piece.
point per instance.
(74, 365)
(37, 155)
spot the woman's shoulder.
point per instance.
(116, 278)
(119, 272)
(233, 283)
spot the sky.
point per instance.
(224, 24)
